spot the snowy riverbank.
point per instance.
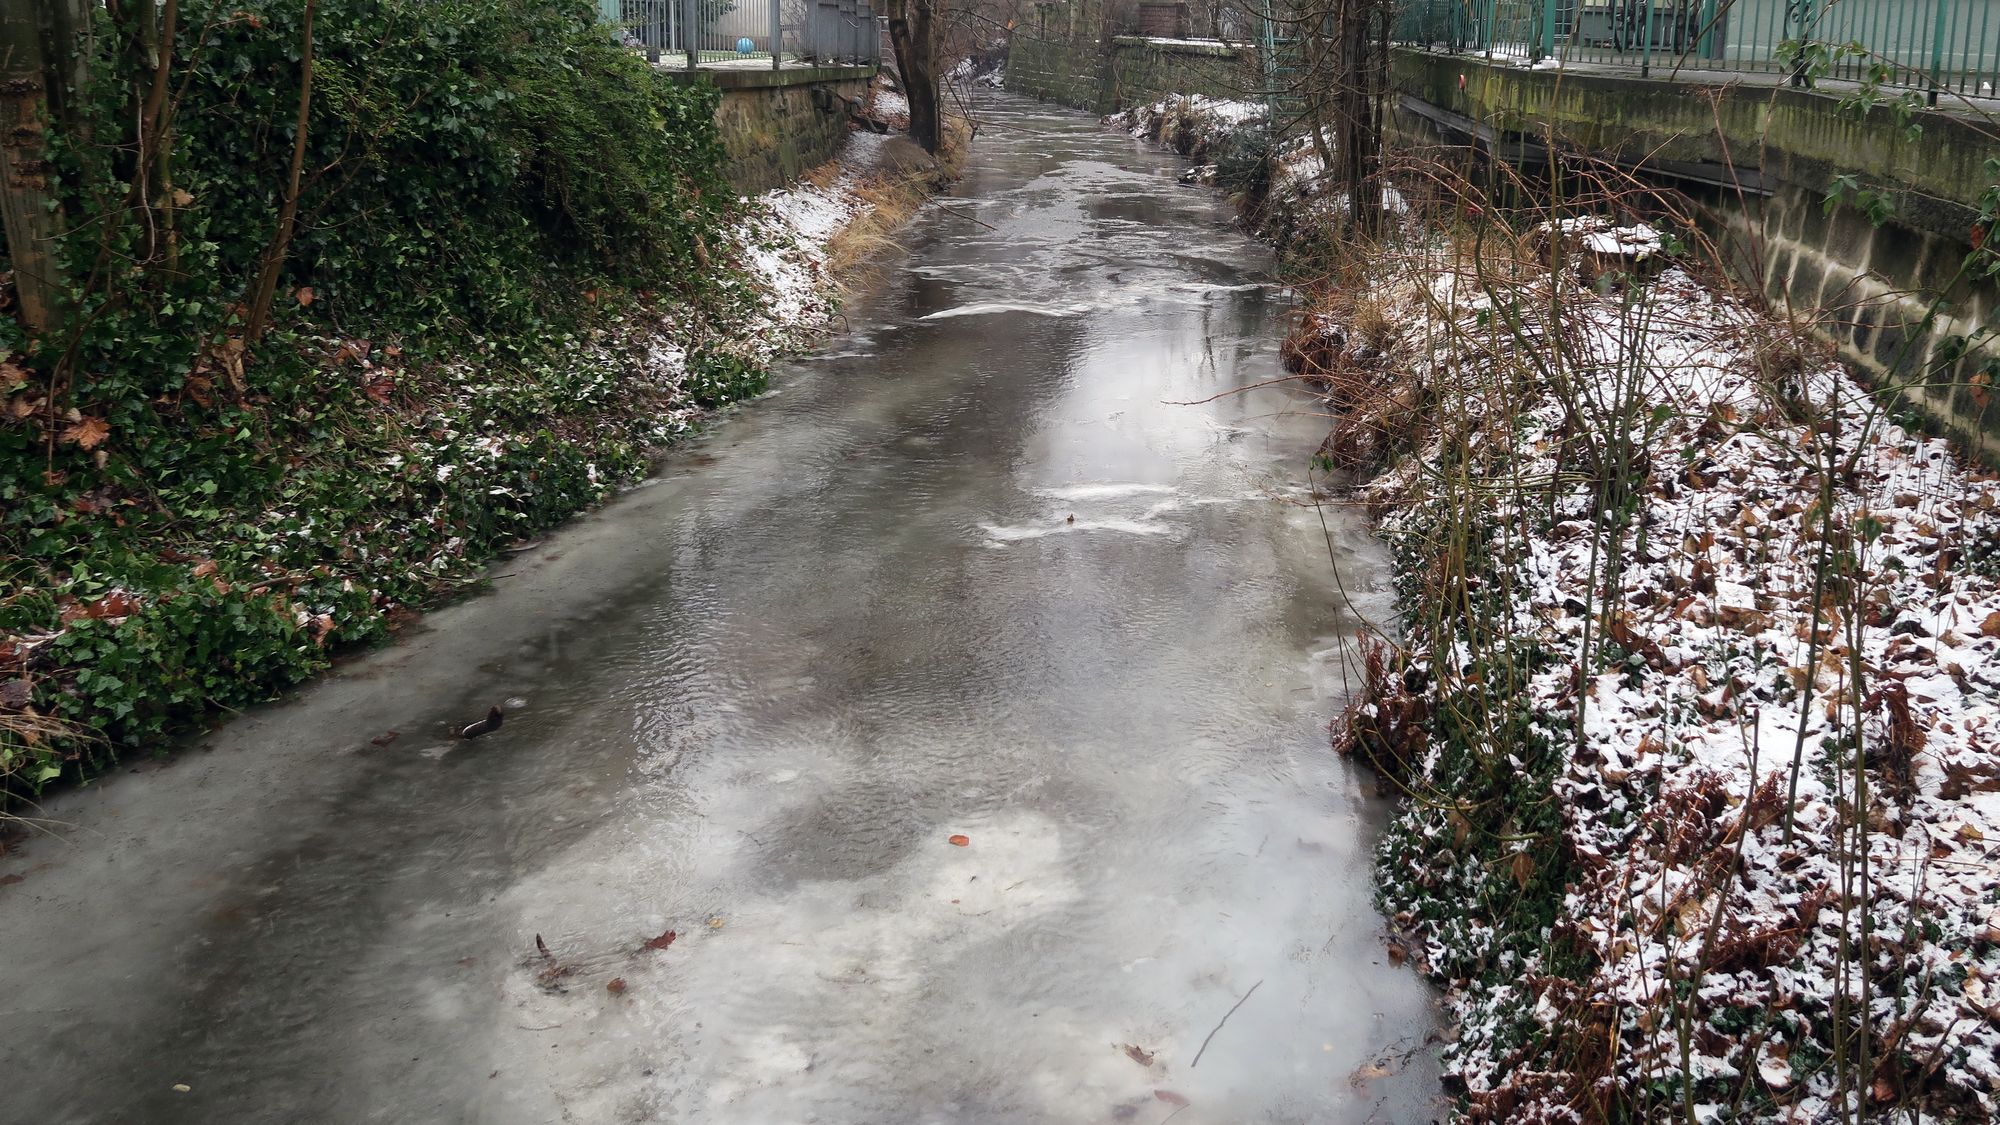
(1695, 699)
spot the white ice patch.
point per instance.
(989, 308)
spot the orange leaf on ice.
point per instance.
(960, 841)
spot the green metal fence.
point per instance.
(1940, 46)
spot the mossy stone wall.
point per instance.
(1763, 160)
(1105, 75)
(775, 124)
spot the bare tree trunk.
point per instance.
(1349, 59)
(274, 254)
(913, 32)
(40, 60)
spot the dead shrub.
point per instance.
(1387, 724)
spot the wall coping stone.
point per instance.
(752, 78)
(1212, 49)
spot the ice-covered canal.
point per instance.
(974, 572)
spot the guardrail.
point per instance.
(739, 33)
(1928, 45)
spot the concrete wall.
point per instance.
(775, 125)
(1105, 75)
(1763, 161)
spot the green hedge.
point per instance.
(494, 196)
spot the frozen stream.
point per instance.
(753, 700)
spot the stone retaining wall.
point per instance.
(775, 124)
(1763, 160)
(1108, 75)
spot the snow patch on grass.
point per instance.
(1694, 937)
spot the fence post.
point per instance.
(1645, 57)
(1486, 28)
(691, 32)
(1938, 32)
(1545, 36)
(1267, 51)
(1801, 11)
(777, 38)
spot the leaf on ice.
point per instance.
(959, 841)
(1171, 1098)
(1138, 1054)
(661, 942)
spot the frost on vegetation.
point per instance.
(986, 67)
(1284, 180)
(1600, 870)
(1210, 120)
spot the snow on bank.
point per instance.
(987, 68)
(1215, 132)
(784, 245)
(1710, 921)
(1681, 739)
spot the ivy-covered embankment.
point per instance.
(301, 380)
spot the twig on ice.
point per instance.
(963, 215)
(1218, 1025)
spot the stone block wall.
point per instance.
(1108, 75)
(1873, 290)
(1762, 162)
(777, 124)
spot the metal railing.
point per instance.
(747, 33)
(838, 31)
(1930, 45)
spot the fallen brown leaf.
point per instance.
(1169, 1097)
(616, 986)
(88, 433)
(386, 737)
(1138, 1054)
(661, 942)
(959, 841)
(1368, 1072)
(305, 295)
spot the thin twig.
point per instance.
(1218, 1025)
(955, 211)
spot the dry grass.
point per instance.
(24, 736)
(892, 197)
